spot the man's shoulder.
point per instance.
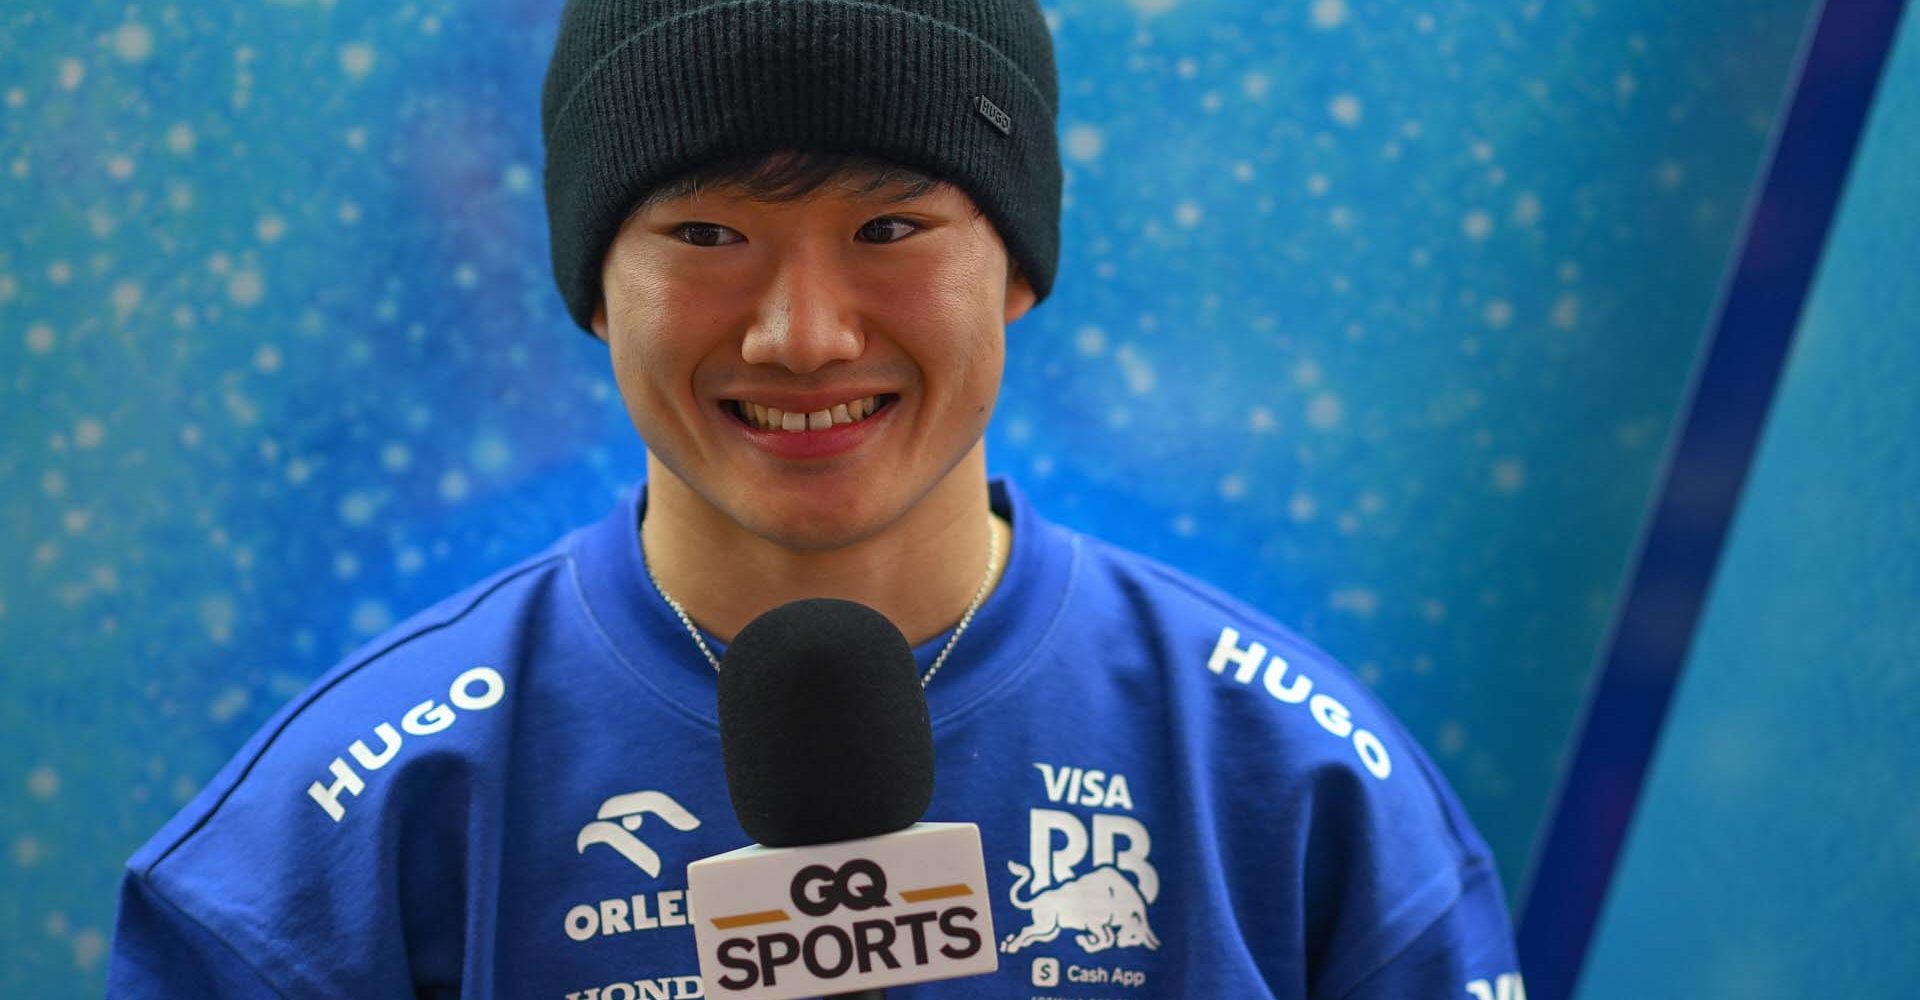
(1174, 605)
(424, 677)
(1295, 711)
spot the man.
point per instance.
(801, 227)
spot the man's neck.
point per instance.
(922, 571)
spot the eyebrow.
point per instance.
(898, 190)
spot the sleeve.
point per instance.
(161, 951)
(303, 871)
(1466, 952)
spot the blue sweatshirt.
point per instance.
(499, 798)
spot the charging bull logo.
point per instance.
(1106, 908)
(1088, 869)
(629, 811)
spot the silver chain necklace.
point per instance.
(979, 595)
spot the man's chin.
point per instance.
(813, 524)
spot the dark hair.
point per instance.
(782, 178)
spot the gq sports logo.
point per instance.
(896, 933)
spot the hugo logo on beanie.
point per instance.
(639, 92)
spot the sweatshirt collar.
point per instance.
(651, 643)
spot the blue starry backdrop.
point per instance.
(1376, 315)
(1776, 847)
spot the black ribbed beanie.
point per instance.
(640, 92)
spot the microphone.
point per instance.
(829, 761)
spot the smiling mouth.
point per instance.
(768, 418)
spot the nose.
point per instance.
(804, 321)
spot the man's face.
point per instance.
(731, 321)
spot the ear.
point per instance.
(600, 319)
(1020, 297)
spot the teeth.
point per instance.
(769, 418)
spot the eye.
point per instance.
(699, 232)
(890, 221)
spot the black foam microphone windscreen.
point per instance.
(823, 725)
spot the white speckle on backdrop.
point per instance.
(1324, 411)
(88, 432)
(490, 454)
(1526, 209)
(1345, 109)
(356, 60)
(246, 288)
(1625, 86)
(230, 703)
(1498, 313)
(1476, 224)
(1361, 601)
(1084, 143)
(1509, 475)
(1566, 311)
(133, 42)
(357, 508)
(125, 297)
(371, 617)
(43, 782)
(218, 615)
(89, 947)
